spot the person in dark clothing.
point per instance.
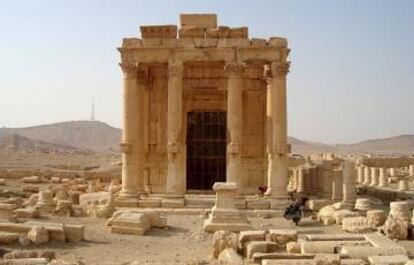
(294, 211)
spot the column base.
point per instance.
(127, 199)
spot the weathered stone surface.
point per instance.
(283, 236)
(341, 214)
(242, 32)
(24, 254)
(8, 238)
(288, 262)
(327, 259)
(363, 204)
(400, 210)
(293, 247)
(131, 223)
(231, 257)
(251, 235)
(191, 32)
(363, 252)
(25, 261)
(335, 237)
(326, 215)
(395, 228)
(376, 217)
(258, 257)
(314, 247)
(207, 21)
(356, 225)
(31, 179)
(278, 42)
(38, 235)
(224, 240)
(258, 247)
(220, 32)
(159, 31)
(388, 260)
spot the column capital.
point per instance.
(129, 68)
(234, 68)
(279, 68)
(175, 69)
(142, 74)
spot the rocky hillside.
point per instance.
(89, 135)
(100, 137)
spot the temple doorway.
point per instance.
(206, 149)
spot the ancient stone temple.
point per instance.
(203, 103)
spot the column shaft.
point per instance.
(278, 157)
(175, 184)
(129, 132)
(234, 122)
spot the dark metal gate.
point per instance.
(206, 149)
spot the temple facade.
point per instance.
(203, 103)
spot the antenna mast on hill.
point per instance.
(93, 111)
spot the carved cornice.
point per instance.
(234, 68)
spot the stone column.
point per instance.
(349, 185)
(301, 180)
(235, 86)
(393, 172)
(360, 174)
(367, 178)
(175, 184)
(383, 181)
(130, 132)
(337, 184)
(278, 155)
(374, 176)
(411, 171)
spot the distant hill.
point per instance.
(398, 145)
(90, 135)
(13, 141)
(100, 137)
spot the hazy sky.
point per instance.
(351, 79)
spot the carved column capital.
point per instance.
(175, 69)
(142, 74)
(129, 68)
(233, 68)
(280, 68)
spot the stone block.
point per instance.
(357, 225)
(258, 42)
(224, 240)
(341, 214)
(258, 247)
(327, 259)
(8, 238)
(388, 260)
(38, 235)
(293, 247)
(353, 262)
(26, 213)
(316, 247)
(251, 235)
(283, 236)
(240, 32)
(363, 252)
(6, 210)
(220, 32)
(74, 233)
(278, 42)
(232, 42)
(206, 21)
(191, 32)
(288, 262)
(159, 31)
(258, 257)
(31, 179)
(335, 237)
(25, 261)
(131, 223)
(230, 257)
(172, 202)
(150, 203)
(376, 217)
